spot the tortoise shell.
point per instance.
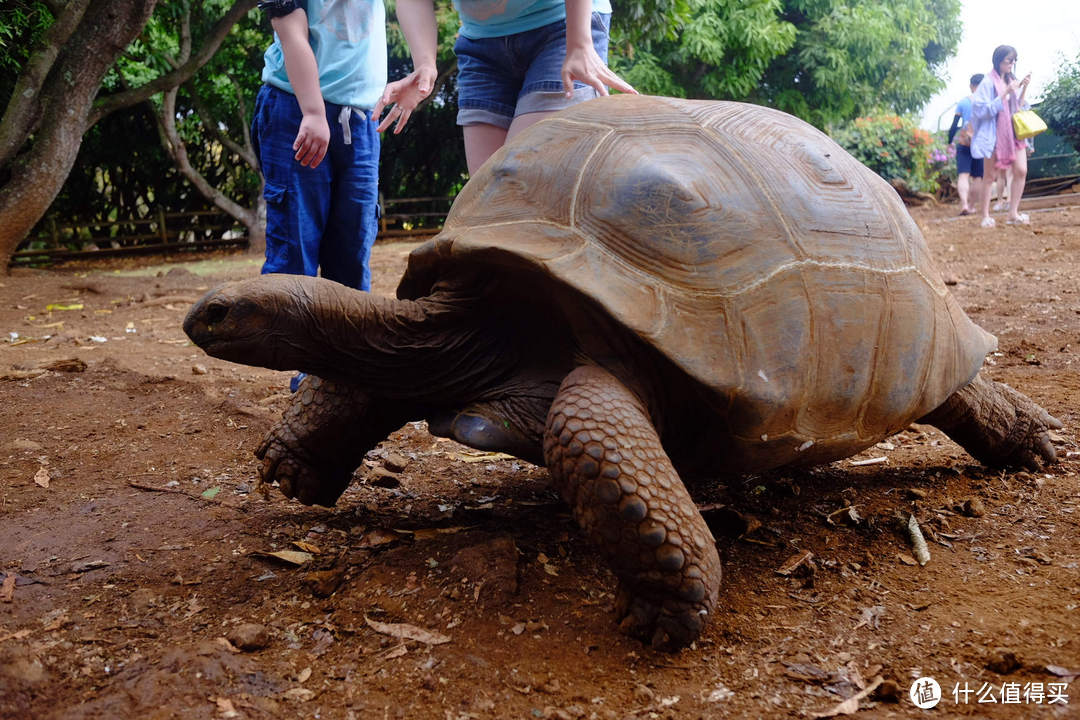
(745, 246)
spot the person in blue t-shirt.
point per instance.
(969, 170)
(519, 60)
(317, 147)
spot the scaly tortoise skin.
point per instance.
(636, 290)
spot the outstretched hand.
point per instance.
(403, 96)
(584, 65)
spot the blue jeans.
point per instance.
(501, 77)
(324, 217)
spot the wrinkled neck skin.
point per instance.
(441, 348)
(437, 348)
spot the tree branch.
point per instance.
(182, 74)
(174, 146)
(24, 107)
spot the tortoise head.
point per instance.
(268, 321)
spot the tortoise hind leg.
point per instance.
(321, 439)
(608, 464)
(999, 426)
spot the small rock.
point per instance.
(888, 691)
(395, 462)
(198, 369)
(249, 637)
(491, 569)
(323, 583)
(1003, 661)
(916, 493)
(381, 477)
(20, 668)
(973, 507)
(643, 694)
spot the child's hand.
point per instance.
(584, 65)
(312, 140)
(404, 95)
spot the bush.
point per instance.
(897, 149)
(1060, 107)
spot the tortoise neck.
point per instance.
(438, 348)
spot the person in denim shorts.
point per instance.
(317, 147)
(519, 60)
(969, 170)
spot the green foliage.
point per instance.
(851, 56)
(721, 51)
(895, 148)
(1060, 106)
(22, 24)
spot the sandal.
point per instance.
(1021, 219)
(988, 222)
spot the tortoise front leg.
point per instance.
(997, 425)
(607, 462)
(321, 439)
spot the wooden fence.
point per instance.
(164, 232)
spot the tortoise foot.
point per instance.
(658, 618)
(321, 439)
(999, 426)
(608, 463)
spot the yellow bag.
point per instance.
(1027, 124)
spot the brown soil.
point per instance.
(139, 567)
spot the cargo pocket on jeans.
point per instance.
(277, 228)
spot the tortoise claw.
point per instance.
(314, 448)
(667, 625)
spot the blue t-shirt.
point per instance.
(498, 18)
(963, 109)
(348, 38)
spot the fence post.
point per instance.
(161, 225)
(382, 213)
(54, 232)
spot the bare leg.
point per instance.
(963, 184)
(997, 425)
(321, 439)
(607, 461)
(524, 121)
(481, 142)
(1018, 173)
(989, 174)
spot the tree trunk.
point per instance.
(67, 97)
(68, 106)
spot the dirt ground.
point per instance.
(138, 579)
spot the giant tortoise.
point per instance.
(636, 290)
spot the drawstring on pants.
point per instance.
(343, 118)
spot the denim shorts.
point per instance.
(502, 77)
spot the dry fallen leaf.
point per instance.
(377, 538)
(41, 477)
(293, 557)
(299, 694)
(307, 547)
(480, 456)
(7, 589)
(407, 632)
(851, 705)
(225, 708)
(794, 562)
